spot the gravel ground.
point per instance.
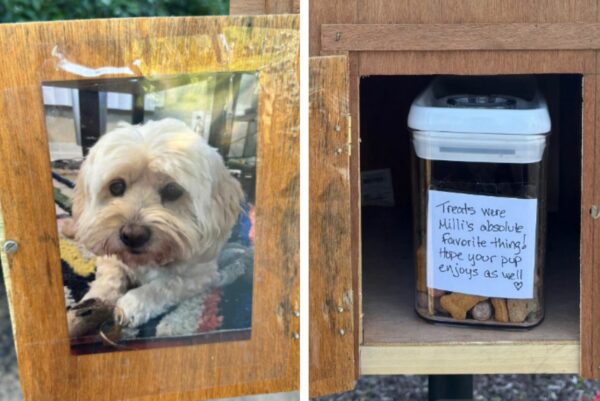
(9, 376)
(486, 388)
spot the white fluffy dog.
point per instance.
(156, 204)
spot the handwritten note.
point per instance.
(481, 245)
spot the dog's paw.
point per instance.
(86, 316)
(66, 227)
(109, 262)
(130, 311)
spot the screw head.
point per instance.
(342, 332)
(10, 246)
(340, 309)
(297, 313)
(296, 336)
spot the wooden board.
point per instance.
(331, 11)
(143, 47)
(465, 359)
(590, 274)
(282, 6)
(475, 11)
(446, 12)
(333, 336)
(258, 7)
(446, 37)
(247, 7)
(477, 62)
(355, 188)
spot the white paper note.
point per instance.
(481, 245)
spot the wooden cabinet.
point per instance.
(390, 50)
(149, 49)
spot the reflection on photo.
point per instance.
(154, 184)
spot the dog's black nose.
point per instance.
(134, 235)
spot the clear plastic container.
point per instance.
(479, 200)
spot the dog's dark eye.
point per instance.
(171, 192)
(117, 187)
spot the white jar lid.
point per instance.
(484, 105)
(482, 148)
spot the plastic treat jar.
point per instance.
(479, 200)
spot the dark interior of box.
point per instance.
(387, 253)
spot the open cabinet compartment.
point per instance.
(394, 338)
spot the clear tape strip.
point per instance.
(74, 68)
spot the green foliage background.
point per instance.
(46, 10)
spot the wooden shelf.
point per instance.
(397, 341)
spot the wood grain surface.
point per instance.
(247, 7)
(333, 339)
(475, 11)
(477, 62)
(143, 47)
(445, 12)
(464, 359)
(355, 192)
(328, 12)
(258, 7)
(445, 37)
(282, 6)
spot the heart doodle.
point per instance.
(518, 285)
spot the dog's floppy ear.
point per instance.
(217, 214)
(80, 197)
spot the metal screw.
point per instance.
(338, 36)
(342, 332)
(296, 336)
(297, 313)
(340, 309)
(595, 212)
(10, 247)
(338, 128)
(339, 151)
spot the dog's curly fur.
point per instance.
(186, 234)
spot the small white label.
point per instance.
(481, 245)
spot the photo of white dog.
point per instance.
(154, 183)
(156, 204)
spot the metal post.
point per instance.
(450, 387)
